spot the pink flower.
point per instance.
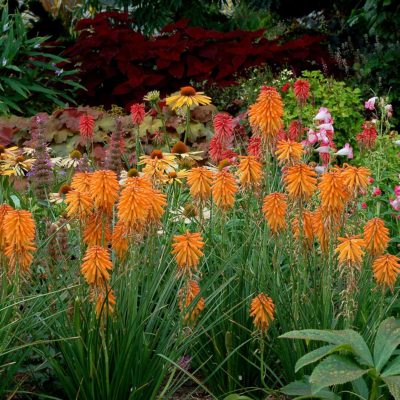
(397, 190)
(370, 104)
(301, 90)
(312, 137)
(395, 203)
(347, 150)
(371, 180)
(376, 191)
(137, 113)
(223, 128)
(389, 110)
(86, 126)
(323, 150)
(364, 206)
(324, 116)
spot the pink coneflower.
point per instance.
(254, 147)
(86, 126)
(223, 128)
(137, 113)
(302, 90)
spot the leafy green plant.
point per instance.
(347, 358)
(32, 78)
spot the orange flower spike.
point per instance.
(134, 205)
(262, 310)
(120, 240)
(105, 301)
(266, 113)
(4, 209)
(333, 192)
(376, 236)
(19, 231)
(321, 231)
(355, 178)
(289, 151)
(224, 189)
(81, 181)
(158, 201)
(300, 180)
(186, 297)
(187, 251)
(97, 231)
(386, 269)
(96, 264)
(307, 228)
(79, 204)
(199, 180)
(104, 188)
(274, 209)
(249, 171)
(350, 251)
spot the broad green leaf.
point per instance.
(303, 390)
(237, 397)
(317, 354)
(393, 368)
(335, 370)
(393, 383)
(386, 341)
(16, 201)
(360, 388)
(347, 336)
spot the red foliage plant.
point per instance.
(119, 65)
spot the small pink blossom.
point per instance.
(371, 180)
(347, 150)
(324, 116)
(370, 104)
(363, 206)
(312, 137)
(389, 110)
(376, 191)
(395, 203)
(397, 190)
(323, 150)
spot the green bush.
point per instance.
(32, 79)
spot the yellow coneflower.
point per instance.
(105, 300)
(289, 151)
(104, 190)
(81, 181)
(321, 230)
(307, 230)
(262, 310)
(249, 171)
(97, 231)
(376, 236)
(187, 296)
(199, 180)
(158, 160)
(274, 209)
(134, 204)
(19, 231)
(96, 264)
(187, 97)
(300, 180)
(333, 192)
(386, 269)
(175, 177)
(223, 189)
(355, 178)
(79, 205)
(266, 114)
(4, 209)
(120, 240)
(187, 251)
(350, 251)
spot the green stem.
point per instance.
(374, 390)
(137, 148)
(187, 129)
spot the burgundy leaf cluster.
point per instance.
(120, 65)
